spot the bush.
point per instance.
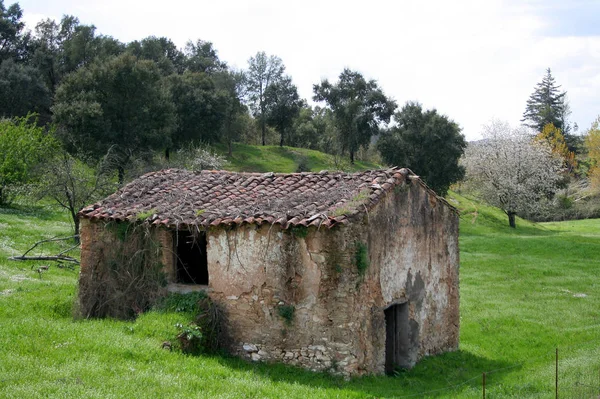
(23, 146)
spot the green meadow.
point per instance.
(524, 293)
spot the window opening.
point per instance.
(192, 263)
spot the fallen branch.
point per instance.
(75, 237)
(56, 258)
(60, 257)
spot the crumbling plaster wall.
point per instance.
(339, 321)
(418, 260)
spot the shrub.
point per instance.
(190, 338)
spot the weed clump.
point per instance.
(185, 303)
(299, 231)
(361, 258)
(286, 312)
(141, 216)
(202, 335)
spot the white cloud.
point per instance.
(471, 60)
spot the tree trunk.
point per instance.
(76, 221)
(352, 157)
(121, 171)
(263, 128)
(167, 154)
(281, 139)
(511, 219)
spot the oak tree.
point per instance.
(359, 107)
(120, 104)
(283, 106)
(426, 142)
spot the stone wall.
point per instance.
(338, 322)
(122, 268)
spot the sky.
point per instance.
(471, 60)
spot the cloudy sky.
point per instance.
(471, 60)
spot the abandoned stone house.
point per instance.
(352, 272)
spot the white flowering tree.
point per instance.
(510, 170)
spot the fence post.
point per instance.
(483, 385)
(556, 378)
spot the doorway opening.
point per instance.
(192, 263)
(397, 338)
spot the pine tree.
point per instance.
(547, 104)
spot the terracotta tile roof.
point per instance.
(209, 198)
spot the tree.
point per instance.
(428, 143)
(73, 183)
(307, 129)
(162, 51)
(592, 145)
(547, 104)
(552, 136)
(22, 90)
(359, 107)
(202, 57)
(61, 48)
(13, 41)
(120, 104)
(512, 171)
(262, 71)
(23, 145)
(282, 106)
(200, 108)
(230, 84)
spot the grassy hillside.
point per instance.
(524, 292)
(250, 158)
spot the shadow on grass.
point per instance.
(43, 212)
(441, 376)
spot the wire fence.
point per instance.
(565, 372)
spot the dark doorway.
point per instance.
(397, 339)
(192, 265)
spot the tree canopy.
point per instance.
(547, 104)
(426, 142)
(553, 136)
(23, 146)
(512, 171)
(262, 71)
(14, 41)
(22, 91)
(283, 106)
(592, 145)
(200, 108)
(121, 104)
(358, 106)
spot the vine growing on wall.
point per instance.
(127, 277)
(361, 257)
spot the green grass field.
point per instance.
(272, 158)
(524, 292)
